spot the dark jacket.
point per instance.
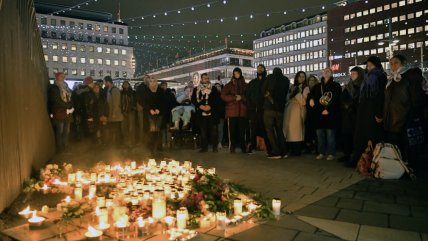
(96, 106)
(213, 100)
(235, 108)
(170, 103)
(332, 120)
(56, 106)
(128, 101)
(349, 104)
(254, 95)
(275, 90)
(154, 100)
(403, 100)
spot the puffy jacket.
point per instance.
(228, 95)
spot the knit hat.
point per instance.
(375, 61)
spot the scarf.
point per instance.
(64, 91)
(203, 92)
(396, 75)
(371, 86)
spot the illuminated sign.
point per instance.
(339, 74)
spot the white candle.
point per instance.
(181, 218)
(276, 206)
(36, 221)
(237, 206)
(93, 234)
(93, 177)
(78, 193)
(92, 191)
(67, 200)
(221, 220)
(133, 165)
(140, 228)
(71, 178)
(26, 212)
(101, 201)
(159, 205)
(79, 175)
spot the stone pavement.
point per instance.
(322, 199)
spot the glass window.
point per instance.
(410, 16)
(91, 61)
(99, 49)
(45, 44)
(403, 32)
(100, 73)
(54, 45)
(64, 59)
(386, 7)
(411, 45)
(394, 19)
(53, 34)
(89, 26)
(116, 51)
(372, 10)
(116, 74)
(410, 31)
(418, 14)
(44, 33)
(107, 50)
(83, 60)
(100, 61)
(73, 60)
(43, 21)
(82, 48)
(97, 27)
(46, 58)
(55, 58)
(73, 47)
(80, 25)
(63, 36)
(394, 5)
(82, 72)
(64, 46)
(380, 50)
(124, 74)
(403, 18)
(379, 9)
(65, 70)
(402, 3)
(359, 27)
(113, 29)
(72, 24)
(116, 62)
(123, 63)
(121, 31)
(359, 14)
(346, 17)
(53, 22)
(366, 12)
(91, 48)
(74, 71)
(62, 22)
(92, 72)
(106, 29)
(123, 51)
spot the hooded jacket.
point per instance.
(275, 90)
(235, 87)
(254, 92)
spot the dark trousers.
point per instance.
(155, 143)
(208, 131)
(257, 128)
(115, 133)
(273, 124)
(348, 143)
(236, 129)
(399, 140)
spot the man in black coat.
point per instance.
(207, 101)
(255, 109)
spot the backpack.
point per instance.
(387, 162)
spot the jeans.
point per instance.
(182, 112)
(62, 130)
(273, 124)
(220, 128)
(326, 141)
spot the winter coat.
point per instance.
(349, 105)
(332, 120)
(295, 116)
(128, 101)
(57, 107)
(95, 107)
(214, 101)
(254, 95)
(155, 100)
(403, 100)
(113, 100)
(235, 108)
(275, 90)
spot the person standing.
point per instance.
(349, 106)
(155, 110)
(141, 117)
(255, 109)
(310, 123)
(295, 115)
(128, 103)
(96, 108)
(206, 100)
(170, 102)
(115, 116)
(326, 101)
(275, 91)
(221, 115)
(233, 94)
(60, 109)
(404, 104)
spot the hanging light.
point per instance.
(193, 9)
(208, 5)
(178, 11)
(236, 18)
(285, 12)
(165, 13)
(251, 16)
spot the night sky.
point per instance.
(155, 46)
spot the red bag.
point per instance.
(261, 146)
(364, 164)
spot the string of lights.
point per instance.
(191, 8)
(85, 3)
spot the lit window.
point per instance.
(55, 46)
(410, 1)
(83, 60)
(379, 9)
(106, 29)
(346, 30)
(402, 3)
(373, 38)
(64, 46)
(418, 14)
(410, 31)
(123, 63)
(359, 27)
(366, 26)
(352, 28)
(99, 49)
(46, 57)
(366, 52)
(360, 40)
(366, 39)
(394, 5)
(359, 14)
(419, 29)
(366, 12)
(82, 72)
(89, 26)
(107, 62)
(380, 50)
(55, 58)
(123, 51)
(394, 19)
(91, 48)
(107, 50)
(372, 10)
(74, 71)
(403, 32)
(403, 18)
(352, 16)
(411, 45)
(74, 60)
(100, 61)
(373, 51)
(403, 47)
(346, 17)
(386, 7)
(73, 47)
(410, 16)
(116, 62)
(124, 74)
(380, 36)
(91, 61)
(45, 45)
(64, 59)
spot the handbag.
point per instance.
(155, 122)
(326, 97)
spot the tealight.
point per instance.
(221, 220)
(237, 206)
(35, 221)
(276, 206)
(26, 212)
(93, 234)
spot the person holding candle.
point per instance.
(206, 100)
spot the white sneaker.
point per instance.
(330, 158)
(320, 156)
(219, 146)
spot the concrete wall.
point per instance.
(26, 135)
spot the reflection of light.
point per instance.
(68, 199)
(140, 222)
(25, 212)
(36, 219)
(92, 232)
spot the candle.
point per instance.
(35, 221)
(67, 200)
(93, 177)
(182, 218)
(205, 222)
(93, 234)
(122, 222)
(221, 220)
(71, 178)
(79, 175)
(237, 206)
(169, 221)
(45, 188)
(45, 209)
(101, 201)
(140, 227)
(26, 212)
(159, 205)
(92, 191)
(78, 193)
(133, 165)
(251, 207)
(276, 206)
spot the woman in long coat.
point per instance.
(295, 115)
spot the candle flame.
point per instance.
(140, 222)
(45, 187)
(35, 219)
(122, 222)
(92, 230)
(25, 211)
(68, 199)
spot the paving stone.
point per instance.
(348, 203)
(292, 222)
(424, 236)
(333, 228)
(266, 232)
(345, 193)
(376, 233)
(418, 211)
(352, 216)
(318, 211)
(327, 201)
(314, 237)
(377, 197)
(387, 208)
(417, 224)
(413, 201)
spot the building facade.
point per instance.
(218, 64)
(80, 47)
(382, 28)
(293, 47)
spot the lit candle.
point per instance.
(133, 165)
(26, 212)
(78, 193)
(101, 201)
(122, 222)
(205, 222)
(92, 191)
(45, 209)
(79, 175)
(169, 221)
(181, 218)
(251, 207)
(67, 200)
(276, 206)
(140, 227)
(36, 221)
(93, 234)
(71, 178)
(221, 220)
(45, 188)
(93, 177)
(237, 206)
(159, 205)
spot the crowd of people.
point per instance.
(269, 113)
